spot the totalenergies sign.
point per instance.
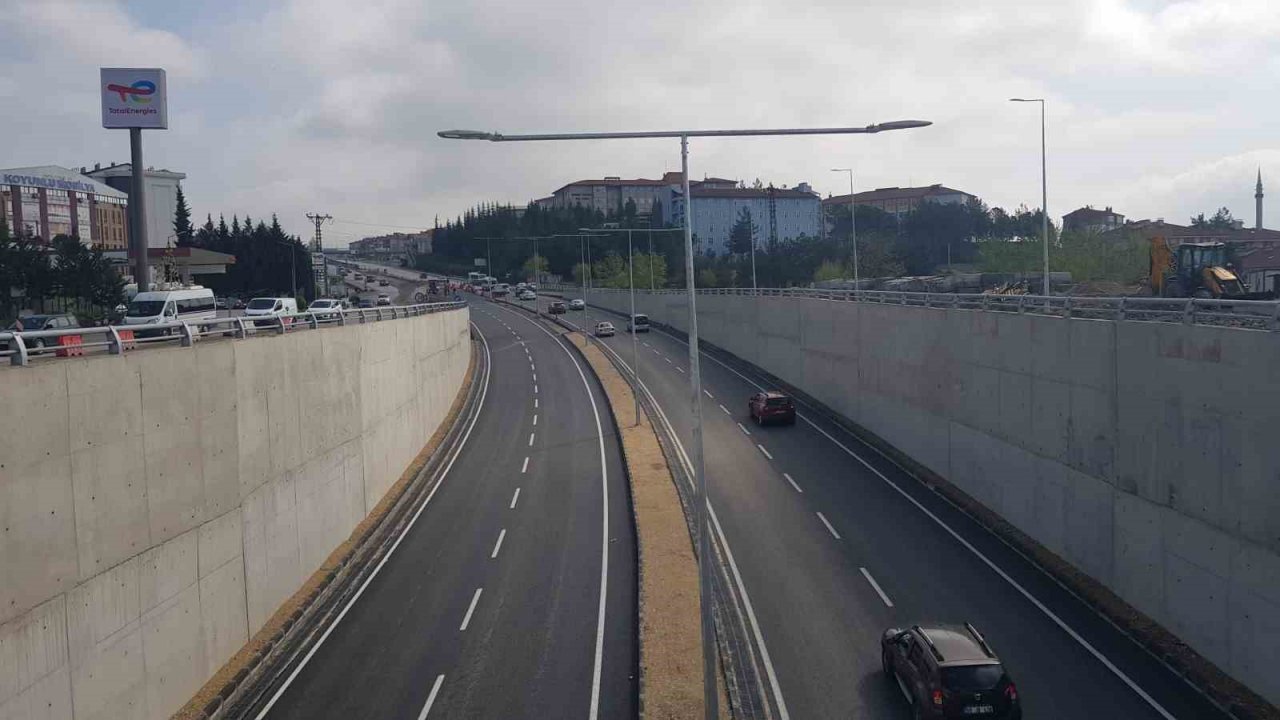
(134, 98)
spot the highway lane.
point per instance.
(489, 606)
(812, 527)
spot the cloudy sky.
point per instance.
(1158, 108)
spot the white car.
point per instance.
(265, 310)
(528, 295)
(325, 307)
(577, 304)
(604, 329)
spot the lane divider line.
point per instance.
(431, 699)
(514, 498)
(530, 439)
(679, 368)
(498, 545)
(708, 392)
(726, 410)
(823, 518)
(535, 419)
(467, 619)
(766, 452)
(743, 428)
(793, 482)
(876, 586)
(525, 467)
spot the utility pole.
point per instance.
(317, 251)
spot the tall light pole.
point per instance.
(710, 697)
(1044, 190)
(853, 226)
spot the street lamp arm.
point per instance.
(499, 137)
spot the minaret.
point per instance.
(1257, 196)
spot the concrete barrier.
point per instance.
(1142, 453)
(156, 508)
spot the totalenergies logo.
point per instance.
(140, 92)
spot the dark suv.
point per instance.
(949, 671)
(556, 308)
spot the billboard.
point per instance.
(134, 98)
(480, 262)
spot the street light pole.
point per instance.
(1044, 191)
(709, 686)
(853, 226)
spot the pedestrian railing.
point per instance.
(22, 347)
(1250, 314)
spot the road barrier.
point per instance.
(21, 347)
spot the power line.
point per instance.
(383, 225)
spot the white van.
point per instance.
(188, 304)
(264, 310)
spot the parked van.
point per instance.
(264, 310)
(189, 304)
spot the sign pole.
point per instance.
(137, 217)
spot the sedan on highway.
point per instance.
(556, 308)
(772, 406)
(604, 329)
(384, 300)
(527, 295)
(577, 304)
(948, 671)
(326, 307)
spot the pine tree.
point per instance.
(182, 221)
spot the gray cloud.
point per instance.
(1157, 108)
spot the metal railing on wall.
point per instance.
(22, 347)
(1249, 314)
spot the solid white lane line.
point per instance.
(823, 518)
(604, 536)
(708, 392)
(766, 452)
(484, 393)
(724, 542)
(525, 467)
(530, 439)
(535, 419)
(431, 699)
(498, 545)
(743, 428)
(514, 498)
(969, 546)
(474, 599)
(876, 586)
(680, 368)
(793, 482)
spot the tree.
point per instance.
(534, 267)
(182, 229)
(1221, 220)
(707, 278)
(830, 270)
(743, 234)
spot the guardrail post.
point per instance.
(1189, 312)
(19, 356)
(1066, 306)
(312, 320)
(240, 331)
(1274, 322)
(114, 346)
(188, 338)
(1022, 304)
(280, 324)
(1119, 314)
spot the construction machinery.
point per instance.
(1196, 269)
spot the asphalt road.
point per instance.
(813, 518)
(491, 605)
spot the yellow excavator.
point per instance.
(1197, 269)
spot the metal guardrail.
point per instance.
(1248, 314)
(21, 347)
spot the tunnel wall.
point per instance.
(1145, 454)
(157, 507)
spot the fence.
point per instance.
(21, 347)
(1251, 314)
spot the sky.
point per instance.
(1156, 108)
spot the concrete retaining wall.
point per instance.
(1143, 453)
(157, 507)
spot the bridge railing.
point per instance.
(1251, 314)
(21, 347)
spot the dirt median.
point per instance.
(670, 626)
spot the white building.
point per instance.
(46, 201)
(611, 194)
(778, 214)
(161, 190)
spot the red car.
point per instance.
(772, 406)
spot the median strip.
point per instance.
(670, 630)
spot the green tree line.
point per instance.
(72, 278)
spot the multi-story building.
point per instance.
(900, 201)
(777, 214)
(47, 200)
(610, 194)
(1087, 219)
(161, 190)
(394, 244)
